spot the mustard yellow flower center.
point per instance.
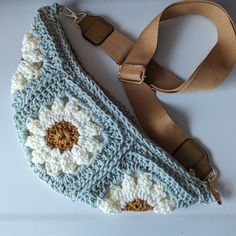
(138, 205)
(63, 135)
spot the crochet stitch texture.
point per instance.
(117, 164)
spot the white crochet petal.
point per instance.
(68, 166)
(35, 127)
(108, 206)
(89, 143)
(28, 70)
(39, 156)
(128, 184)
(165, 206)
(30, 50)
(17, 82)
(115, 199)
(144, 186)
(70, 108)
(82, 116)
(35, 142)
(46, 117)
(160, 191)
(71, 119)
(53, 166)
(32, 56)
(116, 193)
(29, 42)
(57, 109)
(89, 129)
(80, 155)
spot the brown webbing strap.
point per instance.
(210, 73)
(141, 75)
(217, 65)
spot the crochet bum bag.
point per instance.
(83, 143)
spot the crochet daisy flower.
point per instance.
(63, 137)
(137, 193)
(30, 64)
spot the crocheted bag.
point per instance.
(82, 142)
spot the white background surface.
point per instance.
(29, 207)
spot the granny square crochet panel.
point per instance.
(83, 143)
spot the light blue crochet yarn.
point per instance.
(125, 150)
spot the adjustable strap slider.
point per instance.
(133, 74)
